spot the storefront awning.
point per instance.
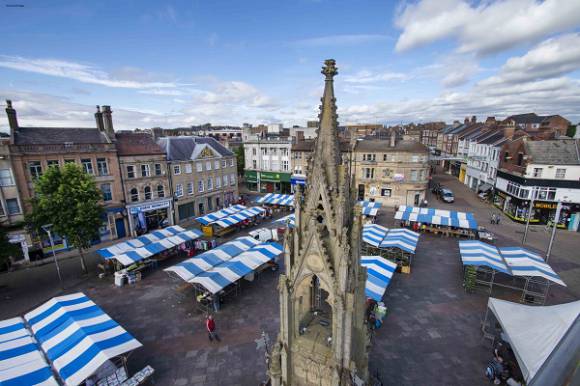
(370, 208)
(215, 216)
(236, 218)
(379, 274)
(448, 218)
(277, 199)
(381, 237)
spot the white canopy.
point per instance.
(533, 331)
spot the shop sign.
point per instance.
(373, 190)
(149, 207)
(275, 177)
(251, 176)
(545, 205)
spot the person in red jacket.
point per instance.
(210, 326)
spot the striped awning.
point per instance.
(194, 266)
(277, 199)
(236, 218)
(381, 237)
(373, 234)
(436, 217)
(215, 216)
(379, 274)
(370, 208)
(21, 361)
(77, 336)
(226, 273)
(478, 253)
(286, 220)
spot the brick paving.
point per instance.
(431, 335)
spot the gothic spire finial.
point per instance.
(329, 69)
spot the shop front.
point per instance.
(268, 182)
(149, 216)
(542, 211)
(251, 179)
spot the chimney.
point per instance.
(473, 119)
(466, 120)
(99, 119)
(12, 120)
(108, 123)
(508, 131)
(393, 140)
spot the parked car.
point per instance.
(447, 196)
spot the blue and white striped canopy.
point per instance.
(277, 199)
(194, 266)
(286, 220)
(213, 217)
(437, 217)
(21, 361)
(381, 237)
(231, 271)
(379, 274)
(77, 336)
(240, 216)
(373, 234)
(370, 208)
(522, 262)
(478, 253)
(150, 244)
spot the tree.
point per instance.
(69, 199)
(7, 249)
(571, 132)
(240, 159)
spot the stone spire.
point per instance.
(327, 149)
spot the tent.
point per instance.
(212, 217)
(449, 218)
(533, 331)
(286, 220)
(369, 208)
(379, 274)
(277, 199)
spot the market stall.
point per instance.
(276, 199)
(397, 245)
(245, 218)
(379, 274)
(534, 333)
(218, 215)
(68, 340)
(288, 221)
(370, 208)
(510, 267)
(438, 221)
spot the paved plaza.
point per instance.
(431, 335)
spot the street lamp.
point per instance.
(556, 220)
(46, 228)
(533, 196)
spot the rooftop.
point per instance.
(384, 146)
(554, 152)
(58, 135)
(131, 143)
(186, 147)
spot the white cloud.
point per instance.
(367, 76)
(489, 26)
(341, 40)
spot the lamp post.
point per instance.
(533, 196)
(46, 228)
(556, 220)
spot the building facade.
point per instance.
(393, 172)
(149, 202)
(11, 212)
(202, 175)
(483, 161)
(547, 171)
(267, 166)
(35, 149)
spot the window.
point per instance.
(176, 169)
(107, 194)
(52, 163)
(225, 177)
(385, 157)
(216, 165)
(35, 169)
(387, 172)
(210, 183)
(199, 167)
(560, 173)
(225, 163)
(414, 175)
(158, 170)
(546, 194)
(273, 151)
(188, 168)
(190, 188)
(537, 172)
(87, 165)
(218, 182)
(369, 157)
(200, 186)
(209, 204)
(253, 151)
(368, 172)
(160, 191)
(12, 206)
(179, 190)
(284, 151)
(130, 171)
(6, 177)
(415, 158)
(285, 165)
(506, 156)
(520, 159)
(134, 195)
(264, 151)
(232, 179)
(386, 192)
(145, 172)
(102, 167)
(148, 194)
(208, 165)
(69, 161)
(254, 164)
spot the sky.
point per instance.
(228, 62)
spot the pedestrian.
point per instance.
(210, 326)
(497, 217)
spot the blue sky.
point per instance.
(178, 63)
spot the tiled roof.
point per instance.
(527, 118)
(384, 146)
(130, 143)
(182, 148)
(57, 135)
(554, 152)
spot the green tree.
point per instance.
(69, 199)
(571, 132)
(7, 249)
(240, 159)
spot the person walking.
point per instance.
(497, 217)
(210, 327)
